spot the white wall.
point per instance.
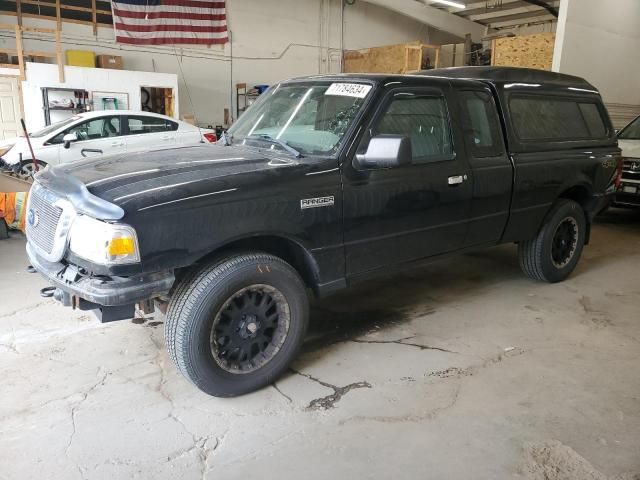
(600, 41)
(271, 40)
(91, 79)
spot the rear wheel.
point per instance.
(554, 252)
(236, 325)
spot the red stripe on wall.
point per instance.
(170, 28)
(156, 15)
(167, 40)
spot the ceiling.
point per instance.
(501, 13)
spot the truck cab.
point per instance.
(324, 181)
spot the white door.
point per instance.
(10, 111)
(145, 132)
(96, 137)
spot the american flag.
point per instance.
(159, 22)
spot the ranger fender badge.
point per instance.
(316, 202)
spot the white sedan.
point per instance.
(98, 133)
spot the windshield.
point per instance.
(53, 127)
(631, 131)
(310, 118)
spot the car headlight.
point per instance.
(104, 243)
(5, 149)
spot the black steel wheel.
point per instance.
(250, 328)
(554, 252)
(234, 326)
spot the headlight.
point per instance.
(5, 149)
(104, 243)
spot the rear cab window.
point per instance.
(482, 131)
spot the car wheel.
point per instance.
(236, 325)
(27, 169)
(554, 253)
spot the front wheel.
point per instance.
(27, 169)
(236, 325)
(554, 252)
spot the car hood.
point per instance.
(630, 148)
(141, 180)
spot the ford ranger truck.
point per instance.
(322, 182)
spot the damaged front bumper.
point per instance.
(111, 298)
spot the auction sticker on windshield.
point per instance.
(348, 90)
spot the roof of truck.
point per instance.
(502, 75)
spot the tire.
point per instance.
(237, 295)
(26, 169)
(541, 258)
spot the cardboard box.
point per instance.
(110, 61)
(81, 58)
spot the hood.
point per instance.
(18, 146)
(136, 181)
(630, 148)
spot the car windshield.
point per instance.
(53, 127)
(631, 131)
(307, 118)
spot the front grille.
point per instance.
(631, 169)
(42, 218)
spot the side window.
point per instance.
(548, 118)
(172, 126)
(143, 124)
(425, 120)
(481, 124)
(593, 119)
(103, 127)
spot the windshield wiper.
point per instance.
(277, 141)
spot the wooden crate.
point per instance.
(400, 58)
(531, 51)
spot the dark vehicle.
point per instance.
(324, 181)
(628, 193)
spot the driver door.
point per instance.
(96, 137)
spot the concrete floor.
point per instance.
(462, 369)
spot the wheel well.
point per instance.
(581, 195)
(578, 193)
(291, 252)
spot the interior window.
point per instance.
(547, 118)
(103, 127)
(143, 124)
(424, 119)
(481, 124)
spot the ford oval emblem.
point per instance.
(32, 217)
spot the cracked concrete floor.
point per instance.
(460, 369)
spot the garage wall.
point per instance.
(602, 44)
(271, 40)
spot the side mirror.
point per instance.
(386, 151)
(68, 138)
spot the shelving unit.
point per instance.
(80, 99)
(244, 97)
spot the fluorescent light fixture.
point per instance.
(450, 3)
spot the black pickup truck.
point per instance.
(325, 180)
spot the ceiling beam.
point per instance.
(541, 3)
(434, 17)
(495, 16)
(478, 8)
(502, 23)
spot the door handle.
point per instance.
(457, 180)
(117, 144)
(167, 137)
(84, 151)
